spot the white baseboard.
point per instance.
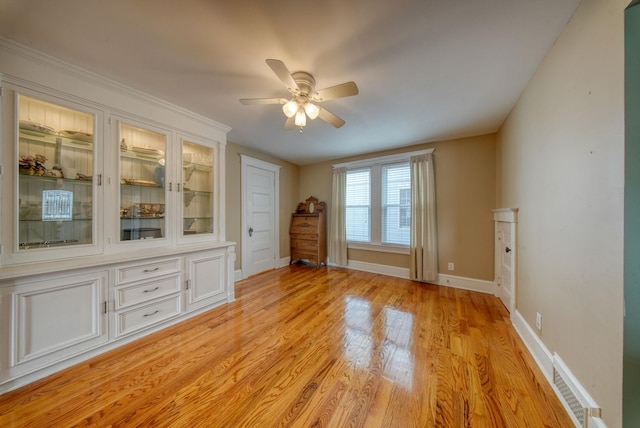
(548, 362)
(537, 349)
(596, 423)
(471, 284)
(238, 275)
(283, 262)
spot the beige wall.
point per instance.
(560, 160)
(465, 193)
(289, 191)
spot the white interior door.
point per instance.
(260, 246)
(505, 256)
(506, 263)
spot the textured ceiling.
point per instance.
(427, 70)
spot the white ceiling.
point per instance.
(427, 70)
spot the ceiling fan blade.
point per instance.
(290, 123)
(330, 118)
(339, 91)
(283, 74)
(253, 101)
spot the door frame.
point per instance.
(506, 215)
(247, 162)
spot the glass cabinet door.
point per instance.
(197, 179)
(142, 183)
(56, 153)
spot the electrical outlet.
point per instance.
(538, 321)
(450, 266)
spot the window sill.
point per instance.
(395, 249)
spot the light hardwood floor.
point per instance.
(310, 348)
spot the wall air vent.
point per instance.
(580, 406)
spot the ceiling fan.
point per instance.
(304, 97)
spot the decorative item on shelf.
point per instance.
(123, 145)
(147, 152)
(136, 182)
(147, 210)
(77, 135)
(56, 171)
(29, 125)
(32, 165)
(69, 173)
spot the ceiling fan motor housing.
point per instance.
(306, 83)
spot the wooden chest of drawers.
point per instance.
(308, 236)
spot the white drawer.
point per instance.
(147, 291)
(150, 269)
(148, 315)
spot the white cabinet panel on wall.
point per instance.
(54, 319)
(206, 279)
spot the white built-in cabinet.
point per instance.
(51, 319)
(205, 280)
(111, 213)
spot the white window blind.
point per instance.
(358, 205)
(396, 204)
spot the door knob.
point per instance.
(507, 249)
(250, 231)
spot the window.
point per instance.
(378, 202)
(358, 205)
(405, 209)
(396, 203)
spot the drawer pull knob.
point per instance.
(152, 314)
(151, 270)
(150, 291)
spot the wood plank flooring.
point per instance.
(310, 348)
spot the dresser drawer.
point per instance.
(142, 271)
(148, 315)
(300, 244)
(304, 236)
(304, 225)
(140, 293)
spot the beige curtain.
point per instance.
(423, 244)
(338, 229)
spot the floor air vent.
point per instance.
(576, 400)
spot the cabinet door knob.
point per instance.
(507, 249)
(250, 231)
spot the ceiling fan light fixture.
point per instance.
(301, 118)
(290, 108)
(312, 110)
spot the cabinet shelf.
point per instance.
(142, 218)
(52, 139)
(141, 186)
(141, 156)
(28, 220)
(198, 192)
(52, 179)
(197, 166)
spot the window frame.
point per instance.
(375, 165)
